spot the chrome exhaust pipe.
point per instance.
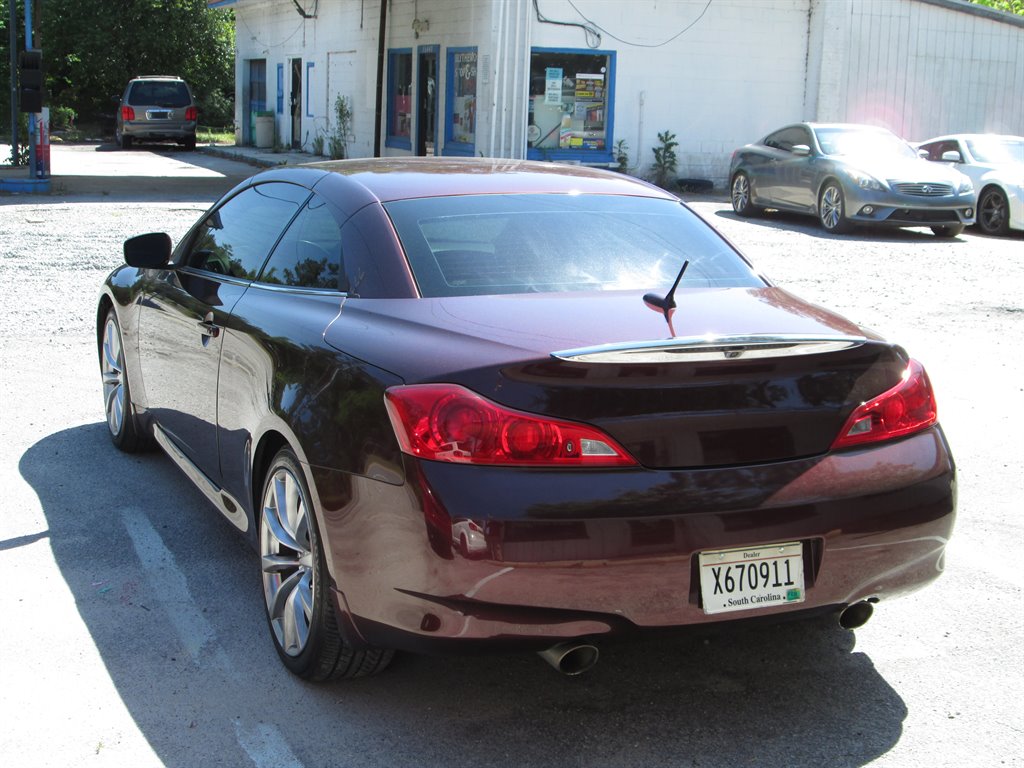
(856, 615)
(570, 658)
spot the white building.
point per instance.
(569, 80)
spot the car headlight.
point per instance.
(866, 181)
(965, 186)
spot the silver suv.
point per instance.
(157, 108)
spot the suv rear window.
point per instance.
(159, 94)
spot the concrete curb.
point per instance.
(259, 157)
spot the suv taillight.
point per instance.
(907, 408)
(127, 113)
(446, 422)
(191, 113)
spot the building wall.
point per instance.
(736, 72)
(716, 74)
(919, 68)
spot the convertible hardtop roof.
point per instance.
(388, 179)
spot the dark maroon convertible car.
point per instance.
(462, 404)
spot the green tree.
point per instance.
(5, 63)
(1010, 6)
(92, 49)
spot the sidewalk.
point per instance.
(262, 158)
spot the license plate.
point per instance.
(757, 577)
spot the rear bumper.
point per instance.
(159, 130)
(557, 555)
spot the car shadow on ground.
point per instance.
(795, 694)
(145, 146)
(794, 222)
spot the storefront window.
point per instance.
(400, 98)
(571, 98)
(460, 129)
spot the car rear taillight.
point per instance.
(192, 113)
(127, 113)
(446, 422)
(906, 408)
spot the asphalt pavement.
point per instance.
(131, 626)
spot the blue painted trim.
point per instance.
(586, 155)
(309, 66)
(219, 3)
(396, 142)
(452, 147)
(280, 89)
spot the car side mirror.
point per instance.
(952, 156)
(801, 150)
(151, 251)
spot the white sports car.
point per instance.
(996, 166)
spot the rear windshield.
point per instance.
(497, 244)
(159, 94)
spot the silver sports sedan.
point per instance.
(848, 174)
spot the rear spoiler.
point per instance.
(710, 347)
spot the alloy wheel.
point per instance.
(992, 212)
(740, 193)
(112, 375)
(831, 207)
(286, 551)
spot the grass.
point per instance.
(208, 135)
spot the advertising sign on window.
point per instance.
(464, 97)
(569, 103)
(553, 85)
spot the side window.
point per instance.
(788, 138)
(773, 140)
(236, 238)
(938, 148)
(309, 255)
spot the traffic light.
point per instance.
(30, 72)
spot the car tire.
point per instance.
(832, 209)
(300, 612)
(126, 432)
(993, 212)
(190, 144)
(126, 142)
(741, 196)
(948, 231)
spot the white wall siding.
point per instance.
(735, 74)
(739, 68)
(917, 68)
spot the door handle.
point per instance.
(207, 327)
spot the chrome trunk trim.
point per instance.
(692, 349)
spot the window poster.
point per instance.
(569, 107)
(553, 85)
(464, 97)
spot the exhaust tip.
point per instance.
(856, 615)
(571, 658)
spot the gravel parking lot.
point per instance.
(132, 632)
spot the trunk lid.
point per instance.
(751, 376)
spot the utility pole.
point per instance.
(12, 33)
(32, 137)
